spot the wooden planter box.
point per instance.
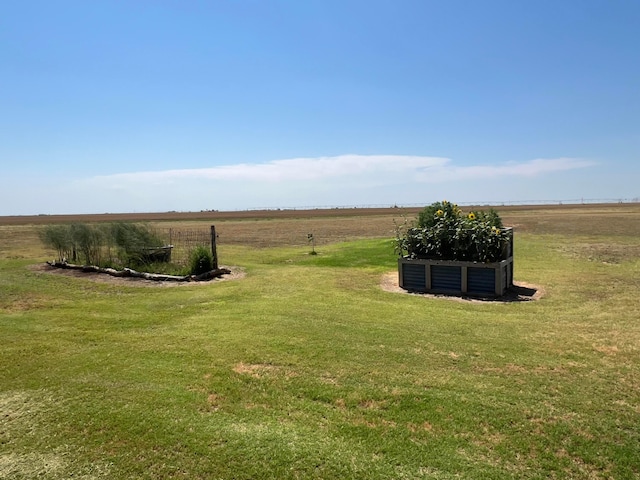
(455, 277)
(157, 254)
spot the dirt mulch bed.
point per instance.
(522, 292)
(236, 274)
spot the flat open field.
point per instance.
(305, 366)
(267, 228)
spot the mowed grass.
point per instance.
(306, 368)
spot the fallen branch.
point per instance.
(215, 273)
(129, 272)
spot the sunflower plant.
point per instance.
(443, 231)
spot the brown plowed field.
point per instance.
(204, 216)
(290, 227)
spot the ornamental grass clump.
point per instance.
(107, 245)
(444, 232)
(200, 261)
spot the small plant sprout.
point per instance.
(312, 241)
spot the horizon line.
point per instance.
(507, 203)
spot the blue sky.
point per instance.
(134, 106)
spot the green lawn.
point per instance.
(306, 368)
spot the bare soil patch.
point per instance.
(521, 292)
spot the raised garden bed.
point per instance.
(455, 277)
(448, 252)
(157, 254)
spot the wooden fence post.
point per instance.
(214, 249)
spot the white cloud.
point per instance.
(531, 168)
(353, 167)
(295, 169)
(302, 182)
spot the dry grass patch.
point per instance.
(31, 465)
(601, 252)
(20, 410)
(262, 370)
(24, 417)
(14, 304)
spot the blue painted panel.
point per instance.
(481, 280)
(414, 277)
(446, 278)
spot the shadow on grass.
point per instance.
(522, 292)
(519, 293)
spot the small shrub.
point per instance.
(200, 261)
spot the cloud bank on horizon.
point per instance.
(344, 180)
(330, 181)
(415, 168)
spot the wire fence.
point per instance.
(184, 240)
(557, 201)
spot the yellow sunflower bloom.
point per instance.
(472, 216)
(439, 213)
